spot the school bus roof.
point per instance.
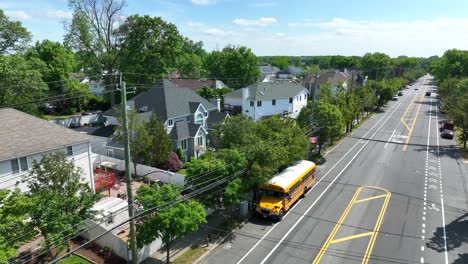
(288, 177)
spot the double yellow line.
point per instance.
(373, 234)
(410, 129)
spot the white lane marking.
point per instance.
(422, 248)
(326, 189)
(441, 197)
(422, 260)
(274, 226)
(388, 141)
(423, 237)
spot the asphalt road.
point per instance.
(392, 192)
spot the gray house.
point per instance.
(185, 114)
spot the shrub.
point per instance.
(174, 163)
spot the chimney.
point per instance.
(217, 102)
(245, 93)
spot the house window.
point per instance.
(199, 119)
(24, 163)
(300, 98)
(206, 114)
(188, 118)
(14, 166)
(259, 103)
(273, 102)
(170, 122)
(183, 144)
(200, 141)
(69, 151)
(290, 100)
(251, 103)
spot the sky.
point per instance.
(419, 28)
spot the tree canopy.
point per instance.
(13, 36)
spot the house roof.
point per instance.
(24, 134)
(166, 101)
(196, 84)
(183, 130)
(215, 117)
(268, 69)
(295, 70)
(269, 90)
(331, 77)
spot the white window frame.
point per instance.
(19, 164)
(184, 144)
(170, 122)
(200, 141)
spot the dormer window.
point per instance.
(206, 114)
(199, 119)
(170, 122)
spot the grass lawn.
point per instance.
(183, 172)
(51, 117)
(74, 259)
(190, 255)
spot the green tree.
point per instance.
(456, 106)
(138, 136)
(152, 48)
(453, 64)
(375, 65)
(160, 145)
(59, 61)
(329, 120)
(190, 66)
(170, 222)
(94, 37)
(80, 93)
(13, 36)
(61, 199)
(14, 227)
(236, 132)
(210, 168)
(21, 82)
(343, 62)
(236, 66)
(281, 62)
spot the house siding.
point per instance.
(80, 158)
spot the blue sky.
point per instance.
(271, 27)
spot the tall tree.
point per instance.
(93, 35)
(151, 49)
(160, 144)
(170, 222)
(190, 66)
(281, 62)
(236, 66)
(375, 65)
(59, 61)
(13, 36)
(329, 120)
(21, 82)
(61, 199)
(14, 227)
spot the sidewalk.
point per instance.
(198, 238)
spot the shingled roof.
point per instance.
(24, 134)
(269, 90)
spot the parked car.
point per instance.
(400, 93)
(395, 98)
(417, 89)
(428, 93)
(447, 133)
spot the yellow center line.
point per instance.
(337, 226)
(351, 237)
(330, 240)
(406, 111)
(412, 126)
(370, 246)
(371, 198)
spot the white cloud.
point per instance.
(262, 22)
(59, 14)
(195, 24)
(263, 4)
(18, 14)
(203, 2)
(350, 37)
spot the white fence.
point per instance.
(142, 170)
(82, 120)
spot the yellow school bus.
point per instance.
(285, 188)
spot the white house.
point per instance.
(266, 99)
(26, 138)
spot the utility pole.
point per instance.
(315, 83)
(133, 244)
